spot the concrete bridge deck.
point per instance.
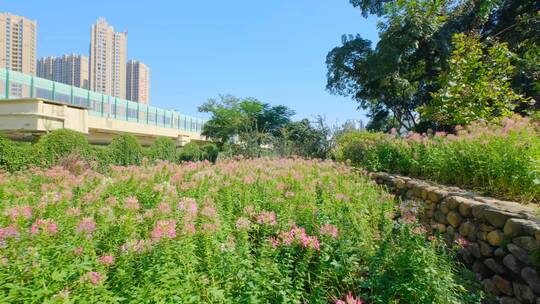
(32, 106)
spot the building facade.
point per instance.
(46, 67)
(138, 82)
(18, 43)
(108, 55)
(69, 69)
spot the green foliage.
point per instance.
(210, 152)
(406, 269)
(501, 159)
(304, 138)
(251, 231)
(191, 152)
(15, 156)
(163, 148)
(358, 147)
(397, 76)
(60, 143)
(125, 150)
(476, 86)
(248, 122)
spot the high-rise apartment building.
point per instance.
(108, 55)
(68, 69)
(138, 82)
(46, 67)
(18, 43)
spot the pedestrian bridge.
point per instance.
(32, 106)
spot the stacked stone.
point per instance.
(502, 239)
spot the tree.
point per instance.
(398, 75)
(252, 122)
(305, 138)
(477, 84)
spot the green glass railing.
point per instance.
(15, 85)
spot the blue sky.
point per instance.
(272, 50)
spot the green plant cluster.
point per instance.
(124, 150)
(501, 159)
(252, 231)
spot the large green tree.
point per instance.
(395, 77)
(247, 121)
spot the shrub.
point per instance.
(190, 153)
(407, 269)
(60, 143)
(357, 147)
(210, 152)
(125, 150)
(501, 159)
(163, 148)
(15, 156)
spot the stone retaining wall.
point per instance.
(502, 238)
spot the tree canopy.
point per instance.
(248, 120)
(400, 74)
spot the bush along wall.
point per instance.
(498, 240)
(124, 150)
(500, 159)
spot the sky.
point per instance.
(272, 50)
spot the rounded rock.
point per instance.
(511, 263)
(525, 242)
(503, 285)
(495, 238)
(454, 219)
(531, 277)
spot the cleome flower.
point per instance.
(349, 299)
(106, 259)
(92, 277)
(163, 229)
(86, 225)
(46, 226)
(329, 230)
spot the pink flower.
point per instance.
(87, 225)
(461, 241)
(310, 242)
(330, 230)
(189, 229)
(9, 232)
(137, 246)
(242, 223)
(350, 299)
(106, 260)
(73, 211)
(47, 226)
(249, 179)
(208, 211)
(164, 208)
(267, 218)
(111, 201)
(24, 211)
(298, 235)
(131, 203)
(274, 242)
(163, 229)
(78, 250)
(209, 227)
(93, 277)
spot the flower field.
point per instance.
(251, 231)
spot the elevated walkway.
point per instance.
(33, 106)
